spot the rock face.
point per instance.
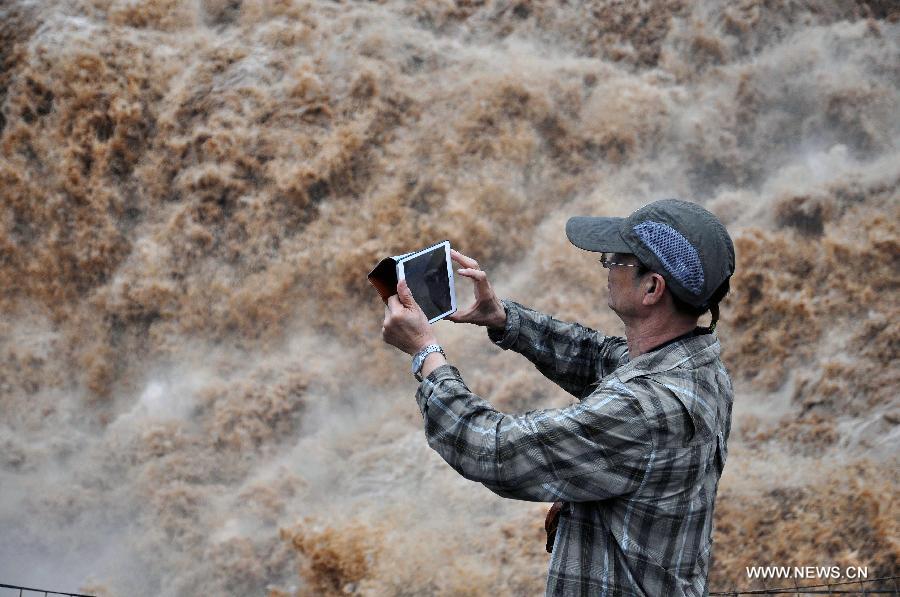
(195, 395)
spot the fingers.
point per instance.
(403, 301)
(460, 316)
(394, 304)
(403, 289)
(406, 297)
(461, 259)
(482, 286)
(464, 315)
(476, 274)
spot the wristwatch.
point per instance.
(419, 359)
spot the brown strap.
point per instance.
(551, 523)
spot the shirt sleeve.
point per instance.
(592, 450)
(569, 354)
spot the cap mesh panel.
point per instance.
(675, 253)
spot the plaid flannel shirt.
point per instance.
(637, 460)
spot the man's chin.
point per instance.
(612, 307)
(615, 310)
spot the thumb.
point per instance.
(405, 294)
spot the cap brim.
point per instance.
(601, 235)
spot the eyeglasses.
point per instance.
(608, 264)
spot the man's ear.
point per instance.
(656, 286)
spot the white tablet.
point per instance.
(429, 275)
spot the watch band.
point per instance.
(419, 359)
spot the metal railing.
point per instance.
(850, 587)
(24, 590)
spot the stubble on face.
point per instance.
(622, 286)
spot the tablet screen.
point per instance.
(428, 277)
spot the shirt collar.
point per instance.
(697, 331)
(699, 347)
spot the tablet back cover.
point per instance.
(384, 277)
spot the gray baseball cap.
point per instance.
(683, 242)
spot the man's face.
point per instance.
(623, 284)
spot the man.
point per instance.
(636, 462)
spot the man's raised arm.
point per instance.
(569, 354)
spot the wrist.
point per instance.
(432, 362)
(499, 322)
(427, 341)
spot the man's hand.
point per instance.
(487, 311)
(405, 325)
